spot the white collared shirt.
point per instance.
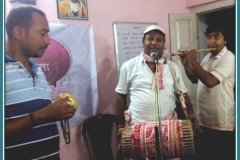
(215, 106)
(136, 79)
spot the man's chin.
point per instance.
(153, 51)
(215, 52)
(39, 55)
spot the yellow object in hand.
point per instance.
(72, 99)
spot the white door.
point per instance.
(183, 36)
(183, 31)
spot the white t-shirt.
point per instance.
(137, 80)
(215, 106)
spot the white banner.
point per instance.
(70, 66)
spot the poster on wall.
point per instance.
(33, 2)
(72, 9)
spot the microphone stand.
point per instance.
(157, 127)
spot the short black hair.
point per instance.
(21, 16)
(216, 28)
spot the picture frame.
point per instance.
(72, 9)
(31, 2)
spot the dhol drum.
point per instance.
(138, 141)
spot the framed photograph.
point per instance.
(32, 2)
(72, 9)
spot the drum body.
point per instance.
(138, 141)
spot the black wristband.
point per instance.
(33, 121)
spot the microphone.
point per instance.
(154, 57)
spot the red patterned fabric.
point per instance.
(159, 72)
(173, 134)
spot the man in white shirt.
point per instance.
(137, 79)
(215, 96)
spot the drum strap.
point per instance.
(179, 94)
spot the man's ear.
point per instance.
(17, 32)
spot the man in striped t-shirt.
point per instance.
(30, 116)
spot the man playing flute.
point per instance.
(215, 108)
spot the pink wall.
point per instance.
(191, 3)
(102, 14)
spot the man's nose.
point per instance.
(211, 40)
(154, 42)
(48, 40)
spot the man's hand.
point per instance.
(194, 121)
(58, 110)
